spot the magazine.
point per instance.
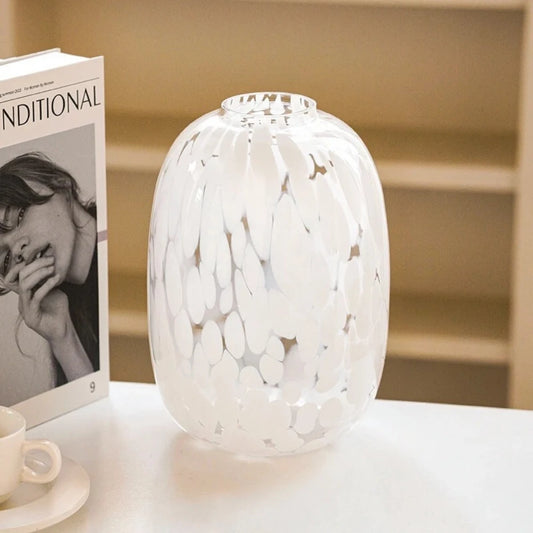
(54, 335)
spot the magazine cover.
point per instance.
(54, 348)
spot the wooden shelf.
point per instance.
(411, 159)
(445, 88)
(140, 143)
(449, 329)
(127, 305)
(449, 4)
(443, 160)
(421, 327)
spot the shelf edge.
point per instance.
(128, 323)
(448, 348)
(444, 176)
(407, 174)
(443, 4)
(134, 158)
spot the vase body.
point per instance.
(268, 276)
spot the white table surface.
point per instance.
(409, 467)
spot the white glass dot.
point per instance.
(339, 310)
(242, 295)
(327, 323)
(306, 418)
(160, 241)
(311, 367)
(291, 248)
(226, 299)
(212, 226)
(257, 323)
(242, 441)
(186, 367)
(212, 342)
(253, 415)
(280, 415)
(327, 207)
(259, 216)
(327, 381)
(351, 285)
(250, 377)
(208, 286)
(190, 220)
(352, 337)
(234, 158)
(195, 296)
(275, 348)
(350, 179)
(238, 244)
(319, 281)
(200, 366)
(252, 270)
(291, 391)
(330, 359)
(271, 370)
(223, 268)
(362, 381)
(282, 314)
(299, 170)
(342, 234)
(308, 337)
(288, 441)
(173, 281)
(234, 335)
(364, 322)
(183, 334)
(226, 371)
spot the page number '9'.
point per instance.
(92, 386)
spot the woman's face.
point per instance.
(45, 230)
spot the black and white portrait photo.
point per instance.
(48, 264)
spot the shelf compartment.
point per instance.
(140, 143)
(404, 158)
(127, 305)
(449, 329)
(444, 160)
(448, 242)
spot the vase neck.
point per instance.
(269, 108)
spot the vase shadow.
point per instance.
(202, 470)
(345, 486)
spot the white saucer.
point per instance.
(33, 507)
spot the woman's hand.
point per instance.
(44, 308)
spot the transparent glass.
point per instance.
(268, 276)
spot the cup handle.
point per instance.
(29, 475)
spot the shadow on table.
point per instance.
(365, 481)
(201, 469)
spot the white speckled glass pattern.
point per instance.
(268, 276)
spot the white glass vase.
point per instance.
(268, 276)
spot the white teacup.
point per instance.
(13, 449)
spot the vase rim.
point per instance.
(269, 106)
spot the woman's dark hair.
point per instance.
(33, 166)
(36, 167)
